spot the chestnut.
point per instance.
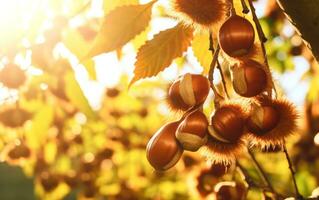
(163, 150)
(236, 36)
(262, 119)
(192, 132)
(189, 90)
(227, 124)
(249, 78)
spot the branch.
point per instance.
(262, 39)
(303, 14)
(292, 171)
(215, 54)
(261, 171)
(223, 78)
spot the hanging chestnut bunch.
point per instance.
(249, 78)
(188, 91)
(192, 132)
(163, 150)
(236, 36)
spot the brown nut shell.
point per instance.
(227, 124)
(262, 120)
(192, 132)
(163, 150)
(236, 36)
(249, 78)
(189, 90)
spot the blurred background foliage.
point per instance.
(75, 131)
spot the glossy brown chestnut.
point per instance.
(227, 125)
(163, 150)
(249, 78)
(262, 120)
(187, 91)
(236, 36)
(192, 132)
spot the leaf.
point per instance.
(76, 96)
(41, 123)
(200, 46)
(75, 42)
(120, 26)
(109, 5)
(139, 40)
(158, 53)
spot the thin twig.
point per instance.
(215, 53)
(252, 184)
(245, 7)
(232, 8)
(246, 177)
(262, 39)
(261, 172)
(223, 78)
(292, 171)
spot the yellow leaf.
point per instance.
(139, 40)
(200, 46)
(76, 96)
(109, 5)
(75, 42)
(158, 53)
(120, 26)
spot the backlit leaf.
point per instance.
(76, 96)
(109, 5)
(41, 123)
(158, 53)
(78, 46)
(200, 46)
(120, 26)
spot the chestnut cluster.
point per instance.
(190, 133)
(225, 129)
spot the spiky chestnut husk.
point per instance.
(163, 150)
(12, 76)
(223, 153)
(236, 36)
(203, 12)
(189, 90)
(230, 191)
(192, 132)
(225, 140)
(286, 124)
(249, 78)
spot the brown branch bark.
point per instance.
(304, 15)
